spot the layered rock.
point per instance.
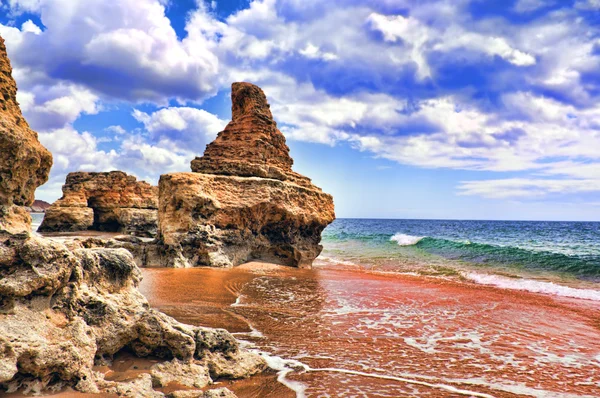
(112, 202)
(24, 163)
(243, 201)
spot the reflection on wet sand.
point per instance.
(336, 332)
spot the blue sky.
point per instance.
(468, 109)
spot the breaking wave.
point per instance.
(406, 240)
(581, 266)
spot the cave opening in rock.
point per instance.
(104, 219)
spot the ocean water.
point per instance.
(36, 220)
(552, 257)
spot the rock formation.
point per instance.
(63, 311)
(243, 201)
(112, 202)
(25, 163)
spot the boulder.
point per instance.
(242, 201)
(111, 202)
(25, 163)
(63, 311)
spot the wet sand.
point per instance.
(337, 332)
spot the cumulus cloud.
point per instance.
(426, 83)
(124, 49)
(184, 127)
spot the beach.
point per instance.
(333, 331)
(381, 314)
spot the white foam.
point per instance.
(286, 366)
(533, 286)
(440, 386)
(283, 367)
(333, 260)
(406, 240)
(519, 389)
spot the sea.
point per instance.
(412, 308)
(36, 220)
(561, 258)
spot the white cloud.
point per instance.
(423, 39)
(56, 106)
(123, 48)
(525, 6)
(332, 74)
(184, 127)
(526, 188)
(587, 4)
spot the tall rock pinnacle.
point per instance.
(243, 202)
(251, 145)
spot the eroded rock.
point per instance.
(243, 201)
(112, 202)
(61, 311)
(24, 163)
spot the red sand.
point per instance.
(386, 335)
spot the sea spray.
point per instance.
(406, 240)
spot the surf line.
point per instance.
(404, 380)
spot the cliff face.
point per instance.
(38, 206)
(243, 201)
(113, 202)
(24, 162)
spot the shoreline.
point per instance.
(220, 297)
(238, 310)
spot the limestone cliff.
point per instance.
(24, 163)
(113, 202)
(243, 201)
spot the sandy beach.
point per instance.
(336, 332)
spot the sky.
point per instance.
(454, 109)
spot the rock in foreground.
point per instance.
(243, 201)
(24, 162)
(111, 202)
(63, 311)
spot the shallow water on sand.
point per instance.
(336, 332)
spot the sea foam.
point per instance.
(406, 240)
(534, 286)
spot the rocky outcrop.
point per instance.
(243, 201)
(63, 311)
(24, 163)
(111, 202)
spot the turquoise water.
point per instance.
(568, 251)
